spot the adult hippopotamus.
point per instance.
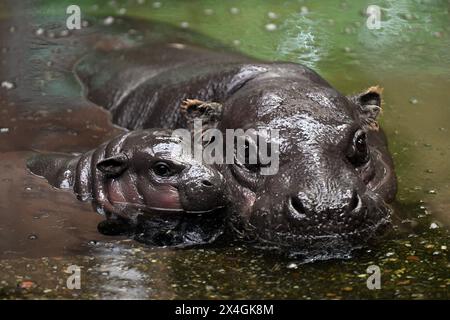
(146, 185)
(335, 173)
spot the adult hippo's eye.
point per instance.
(358, 153)
(246, 167)
(162, 169)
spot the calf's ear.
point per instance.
(369, 103)
(113, 166)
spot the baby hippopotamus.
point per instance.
(146, 184)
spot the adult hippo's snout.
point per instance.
(318, 217)
(327, 195)
(345, 204)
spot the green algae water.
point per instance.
(409, 56)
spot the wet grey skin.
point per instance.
(336, 175)
(145, 185)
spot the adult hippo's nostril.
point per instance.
(355, 202)
(207, 183)
(296, 207)
(301, 207)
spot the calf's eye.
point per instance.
(162, 169)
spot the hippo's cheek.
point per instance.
(129, 190)
(115, 192)
(243, 198)
(162, 196)
(122, 190)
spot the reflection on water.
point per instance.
(44, 230)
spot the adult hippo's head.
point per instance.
(334, 174)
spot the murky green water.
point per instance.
(409, 56)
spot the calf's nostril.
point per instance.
(206, 183)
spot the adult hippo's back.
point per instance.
(335, 173)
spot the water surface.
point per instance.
(44, 230)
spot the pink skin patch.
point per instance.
(123, 191)
(163, 196)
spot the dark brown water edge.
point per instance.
(44, 230)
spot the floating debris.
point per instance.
(348, 289)
(413, 258)
(32, 237)
(157, 4)
(272, 15)
(39, 32)
(432, 191)
(26, 284)
(271, 27)
(8, 85)
(184, 24)
(304, 10)
(4, 130)
(208, 11)
(234, 10)
(108, 21)
(292, 265)
(434, 225)
(177, 46)
(122, 11)
(413, 101)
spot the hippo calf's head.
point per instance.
(182, 200)
(335, 174)
(146, 185)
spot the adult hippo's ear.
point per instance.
(369, 103)
(210, 113)
(113, 166)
